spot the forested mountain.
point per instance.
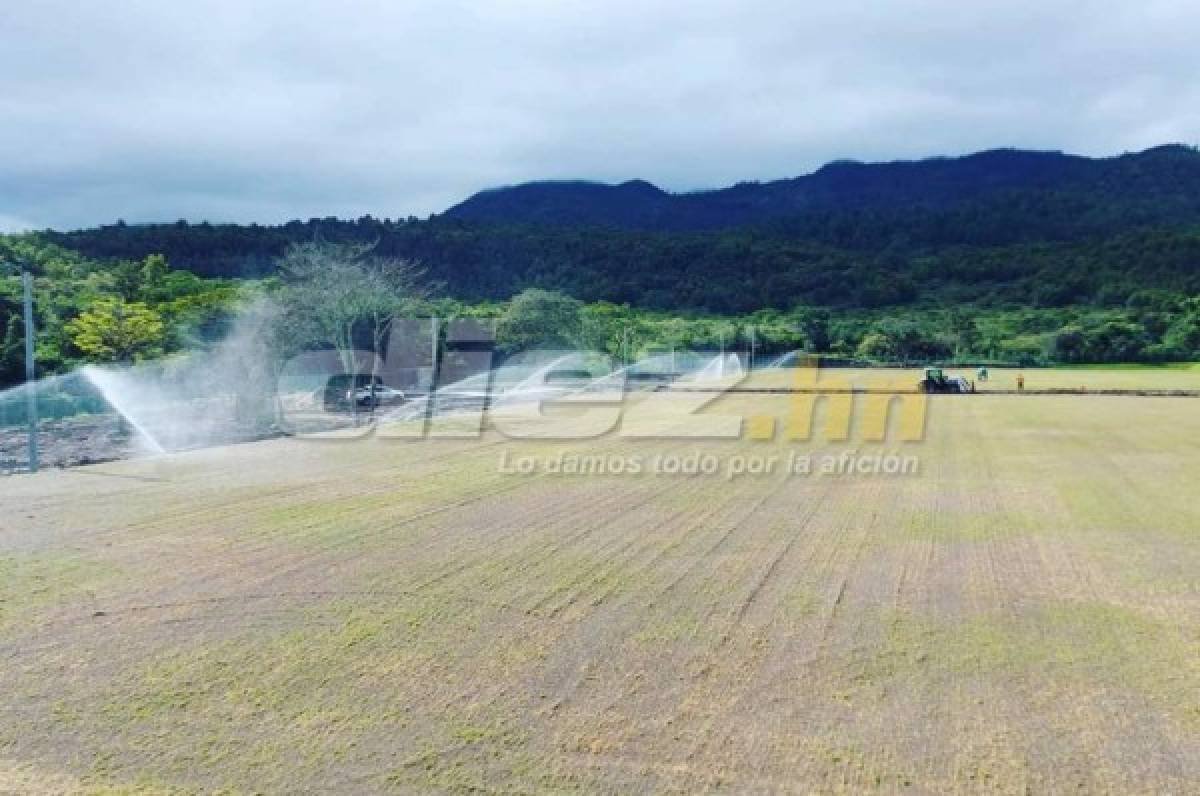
(1161, 184)
(1000, 228)
(1008, 256)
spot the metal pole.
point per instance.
(30, 373)
(433, 353)
(434, 373)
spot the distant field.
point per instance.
(1020, 615)
(1128, 377)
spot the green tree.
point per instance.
(876, 346)
(815, 324)
(114, 330)
(540, 319)
(965, 332)
(139, 280)
(1183, 336)
(1069, 344)
(12, 350)
(604, 327)
(904, 340)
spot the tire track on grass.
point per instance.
(614, 628)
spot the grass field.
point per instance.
(1171, 377)
(1020, 615)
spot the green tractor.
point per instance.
(936, 381)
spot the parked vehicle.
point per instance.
(374, 396)
(344, 392)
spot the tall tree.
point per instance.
(114, 330)
(540, 319)
(342, 295)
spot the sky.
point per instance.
(265, 111)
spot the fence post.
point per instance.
(30, 372)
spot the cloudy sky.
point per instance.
(263, 111)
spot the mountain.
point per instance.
(1167, 176)
(636, 203)
(1005, 228)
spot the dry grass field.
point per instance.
(1175, 377)
(1020, 615)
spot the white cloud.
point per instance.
(270, 110)
(10, 224)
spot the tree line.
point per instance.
(843, 261)
(127, 310)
